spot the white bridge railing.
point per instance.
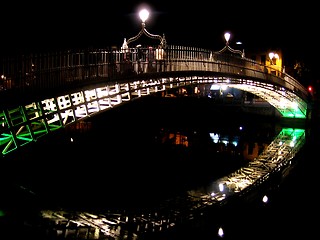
(43, 72)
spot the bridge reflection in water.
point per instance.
(243, 184)
(272, 163)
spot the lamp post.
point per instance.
(273, 58)
(144, 15)
(275, 62)
(227, 37)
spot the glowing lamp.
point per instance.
(227, 37)
(144, 14)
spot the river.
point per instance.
(139, 155)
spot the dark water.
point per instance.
(138, 156)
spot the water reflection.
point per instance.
(272, 162)
(148, 168)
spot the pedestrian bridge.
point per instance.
(42, 92)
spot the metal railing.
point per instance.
(44, 73)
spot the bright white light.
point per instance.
(265, 199)
(294, 105)
(215, 87)
(214, 137)
(220, 232)
(283, 103)
(227, 36)
(271, 55)
(144, 14)
(221, 187)
(224, 87)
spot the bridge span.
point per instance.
(44, 92)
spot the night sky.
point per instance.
(76, 24)
(54, 25)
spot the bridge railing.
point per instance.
(181, 59)
(46, 72)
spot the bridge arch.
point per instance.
(63, 88)
(286, 102)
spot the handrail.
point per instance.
(41, 72)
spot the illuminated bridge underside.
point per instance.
(287, 103)
(274, 160)
(25, 124)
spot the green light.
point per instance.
(293, 133)
(297, 113)
(2, 214)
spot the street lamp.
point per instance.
(227, 37)
(144, 15)
(273, 58)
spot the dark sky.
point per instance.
(77, 24)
